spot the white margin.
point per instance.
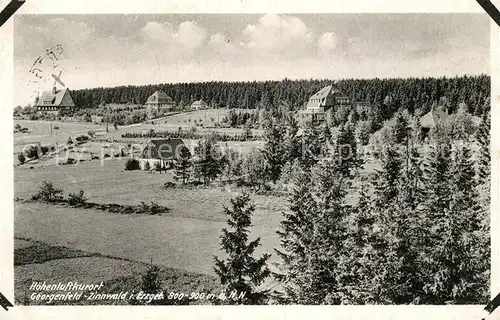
(240, 312)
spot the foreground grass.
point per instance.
(39, 252)
(52, 264)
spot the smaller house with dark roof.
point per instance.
(54, 101)
(160, 101)
(160, 153)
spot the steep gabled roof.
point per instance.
(162, 148)
(61, 98)
(428, 120)
(199, 103)
(323, 93)
(159, 97)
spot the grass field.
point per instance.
(62, 264)
(40, 131)
(173, 239)
(186, 238)
(39, 127)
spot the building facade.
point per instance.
(199, 105)
(159, 153)
(54, 101)
(321, 103)
(160, 102)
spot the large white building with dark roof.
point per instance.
(160, 101)
(321, 102)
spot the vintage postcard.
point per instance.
(252, 157)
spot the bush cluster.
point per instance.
(132, 164)
(82, 138)
(77, 199)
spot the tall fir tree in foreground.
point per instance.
(240, 271)
(360, 269)
(459, 260)
(295, 237)
(397, 195)
(312, 235)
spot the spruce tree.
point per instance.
(437, 175)
(397, 195)
(295, 238)
(182, 165)
(484, 157)
(400, 128)
(240, 271)
(345, 151)
(310, 146)
(273, 149)
(460, 257)
(359, 266)
(208, 163)
(412, 190)
(386, 180)
(291, 142)
(313, 234)
(329, 231)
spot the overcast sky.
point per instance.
(111, 50)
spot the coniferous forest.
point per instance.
(379, 211)
(393, 94)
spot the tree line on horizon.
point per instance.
(389, 94)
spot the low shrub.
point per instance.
(31, 152)
(77, 199)
(169, 185)
(154, 208)
(44, 149)
(82, 138)
(151, 209)
(48, 193)
(158, 166)
(132, 164)
(21, 158)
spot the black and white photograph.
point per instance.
(251, 159)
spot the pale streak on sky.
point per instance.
(112, 50)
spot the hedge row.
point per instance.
(48, 193)
(191, 135)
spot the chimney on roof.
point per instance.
(54, 90)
